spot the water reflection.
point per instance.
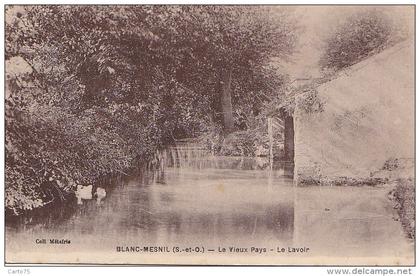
(189, 197)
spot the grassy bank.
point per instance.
(403, 196)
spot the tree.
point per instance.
(109, 85)
(241, 42)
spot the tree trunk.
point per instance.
(226, 100)
(289, 139)
(270, 140)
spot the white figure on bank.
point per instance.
(100, 194)
(83, 192)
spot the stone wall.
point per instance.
(367, 118)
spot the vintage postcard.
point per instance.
(210, 135)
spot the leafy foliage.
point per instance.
(359, 36)
(93, 89)
(310, 102)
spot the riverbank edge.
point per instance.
(340, 181)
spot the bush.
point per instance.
(404, 198)
(361, 35)
(50, 151)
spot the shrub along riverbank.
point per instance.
(403, 196)
(51, 151)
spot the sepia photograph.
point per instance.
(267, 135)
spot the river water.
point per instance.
(199, 202)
